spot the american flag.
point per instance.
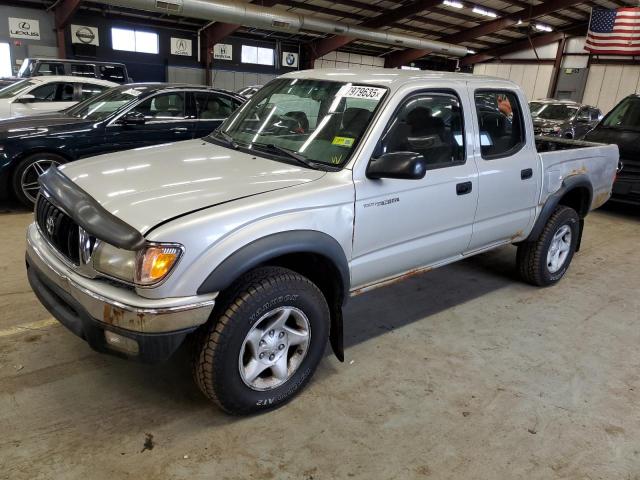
(614, 32)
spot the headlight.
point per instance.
(145, 267)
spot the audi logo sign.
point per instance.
(24, 28)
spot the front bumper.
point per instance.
(626, 190)
(111, 319)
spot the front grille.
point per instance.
(61, 231)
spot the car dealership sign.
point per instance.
(181, 46)
(222, 51)
(84, 35)
(289, 59)
(24, 28)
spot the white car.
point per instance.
(47, 94)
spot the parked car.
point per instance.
(47, 94)
(38, 67)
(621, 126)
(248, 92)
(121, 118)
(251, 241)
(563, 118)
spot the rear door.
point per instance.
(212, 108)
(508, 165)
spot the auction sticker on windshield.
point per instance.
(343, 141)
(372, 93)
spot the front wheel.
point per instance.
(544, 261)
(264, 341)
(26, 175)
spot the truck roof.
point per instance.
(395, 78)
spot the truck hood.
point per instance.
(147, 186)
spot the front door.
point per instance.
(509, 168)
(402, 225)
(50, 97)
(166, 120)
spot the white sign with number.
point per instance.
(24, 28)
(371, 93)
(289, 59)
(181, 46)
(223, 51)
(84, 35)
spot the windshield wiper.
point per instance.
(226, 138)
(278, 150)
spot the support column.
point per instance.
(557, 66)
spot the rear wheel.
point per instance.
(264, 341)
(545, 261)
(26, 174)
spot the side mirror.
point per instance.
(133, 118)
(26, 98)
(401, 165)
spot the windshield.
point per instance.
(534, 107)
(26, 69)
(556, 111)
(625, 116)
(17, 88)
(103, 105)
(314, 120)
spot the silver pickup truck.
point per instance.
(324, 185)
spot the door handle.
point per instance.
(464, 188)
(179, 129)
(526, 174)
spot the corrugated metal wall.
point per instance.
(348, 60)
(534, 79)
(608, 84)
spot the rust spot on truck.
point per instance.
(111, 315)
(577, 171)
(600, 199)
(391, 281)
(517, 235)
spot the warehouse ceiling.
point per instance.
(489, 27)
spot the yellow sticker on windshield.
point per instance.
(343, 141)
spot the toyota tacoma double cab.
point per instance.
(324, 185)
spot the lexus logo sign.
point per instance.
(24, 28)
(84, 35)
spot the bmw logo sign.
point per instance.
(290, 59)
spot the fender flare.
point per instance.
(275, 245)
(568, 184)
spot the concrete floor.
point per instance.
(461, 373)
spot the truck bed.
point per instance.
(562, 158)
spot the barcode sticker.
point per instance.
(372, 93)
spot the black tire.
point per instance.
(532, 256)
(27, 198)
(219, 343)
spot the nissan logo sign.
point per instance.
(85, 35)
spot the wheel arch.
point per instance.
(576, 192)
(311, 253)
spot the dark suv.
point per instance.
(37, 67)
(563, 118)
(622, 127)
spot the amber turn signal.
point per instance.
(155, 263)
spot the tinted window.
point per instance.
(428, 124)
(556, 111)
(82, 70)
(113, 73)
(166, 106)
(89, 90)
(625, 116)
(50, 68)
(595, 114)
(501, 124)
(54, 92)
(214, 106)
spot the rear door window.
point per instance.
(112, 73)
(83, 70)
(501, 124)
(214, 106)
